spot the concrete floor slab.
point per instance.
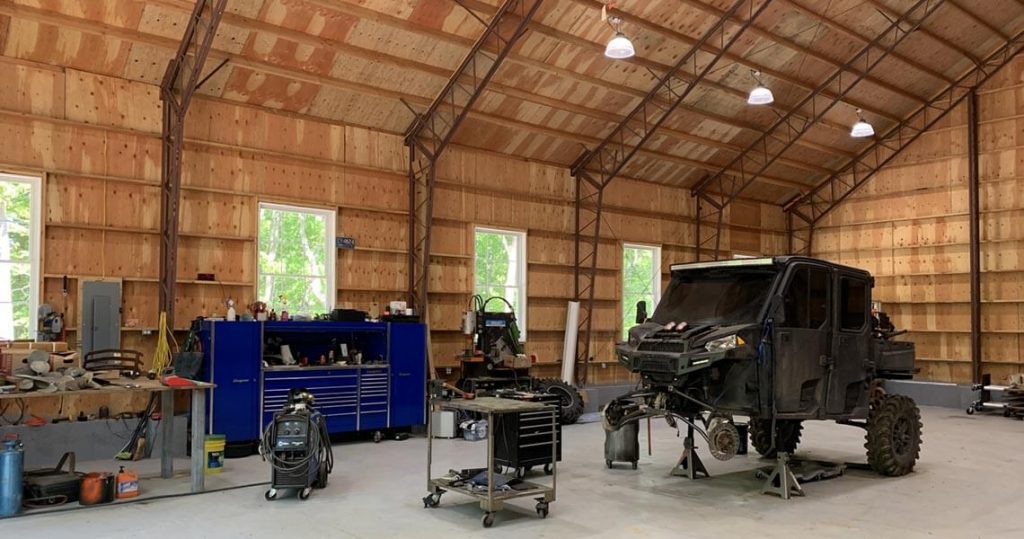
(969, 483)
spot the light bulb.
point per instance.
(620, 47)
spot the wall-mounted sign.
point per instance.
(345, 242)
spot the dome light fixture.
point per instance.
(861, 129)
(760, 95)
(619, 47)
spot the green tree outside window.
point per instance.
(294, 260)
(641, 281)
(16, 258)
(497, 270)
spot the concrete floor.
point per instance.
(969, 483)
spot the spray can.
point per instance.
(12, 461)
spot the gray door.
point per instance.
(847, 379)
(802, 340)
(101, 315)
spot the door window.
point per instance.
(806, 299)
(853, 304)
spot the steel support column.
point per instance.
(974, 204)
(595, 169)
(718, 191)
(180, 81)
(813, 206)
(432, 131)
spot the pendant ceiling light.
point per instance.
(760, 95)
(861, 129)
(619, 47)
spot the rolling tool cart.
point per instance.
(490, 488)
(524, 439)
(1011, 405)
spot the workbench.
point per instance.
(492, 501)
(125, 386)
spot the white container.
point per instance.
(442, 424)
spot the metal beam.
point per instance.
(974, 194)
(595, 169)
(718, 191)
(813, 206)
(183, 76)
(432, 131)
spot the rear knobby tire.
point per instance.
(894, 435)
(786, 439)
(571, 400)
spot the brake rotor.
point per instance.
(723, 439)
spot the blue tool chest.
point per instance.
(384, 389)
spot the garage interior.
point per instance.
(217, 213)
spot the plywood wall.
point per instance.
(95, 139)
(909, 226)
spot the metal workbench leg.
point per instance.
(430, 443)
(198, 440)
(166, 434)
(490, 462)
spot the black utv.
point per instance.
(779, 340)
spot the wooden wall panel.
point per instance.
(909, 226)
(96, 139)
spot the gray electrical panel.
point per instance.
(101, 315)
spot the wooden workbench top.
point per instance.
(126, 386)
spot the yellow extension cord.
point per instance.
(162, 356)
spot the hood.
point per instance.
(653, 337)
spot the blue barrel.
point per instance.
(12, 460)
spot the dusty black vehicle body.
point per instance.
(780, 340)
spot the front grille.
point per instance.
(663, 346)
(654, 364)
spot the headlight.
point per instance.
(725, 343)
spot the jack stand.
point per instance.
(689, 464)
(781, 480)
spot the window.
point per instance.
(641, 281)
(296, 259)
(500, 270)
(807, 298)
(853, 304)
(19, 255)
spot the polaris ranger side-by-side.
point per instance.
(780, 340)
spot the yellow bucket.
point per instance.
(214, 446)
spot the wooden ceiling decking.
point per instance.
(351, 61)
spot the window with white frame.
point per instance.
(641, 281)
(296, 259)
(19, 255)
(500, 270)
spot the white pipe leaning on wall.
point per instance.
(572, 319)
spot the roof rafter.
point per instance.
(496, 87)
(101, 29)
(889, 12)
(658, 67)
(784, 41)
(405, 25)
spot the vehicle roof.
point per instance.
(780, 261)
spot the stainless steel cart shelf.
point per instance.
(492, 501)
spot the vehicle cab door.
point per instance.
(847, 383)
(802, 341)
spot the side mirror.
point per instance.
(641, 312)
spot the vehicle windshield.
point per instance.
(717, 296)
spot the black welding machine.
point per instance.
(298, 447)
